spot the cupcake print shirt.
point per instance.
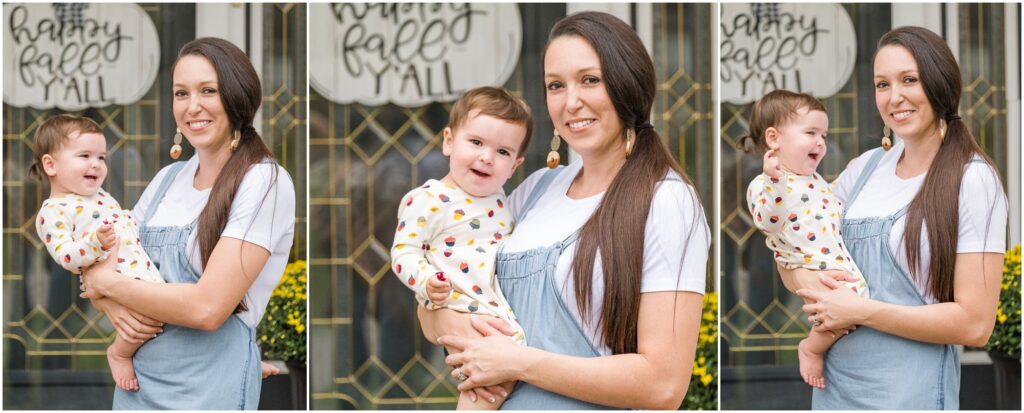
(442, 229)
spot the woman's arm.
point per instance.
(233, 266)
(967, 320)
(656, 377)
(131, 326)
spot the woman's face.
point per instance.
(198, 111)
(577, 98)
(900, 95)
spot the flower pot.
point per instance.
(1007, 380)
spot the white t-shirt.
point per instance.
(676, 239)
(983, 208)
(262, 218)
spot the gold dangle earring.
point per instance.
(237, 136)
(630, 140)
(553, 157)
(176, 148)
(886, 140)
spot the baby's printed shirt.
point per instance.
(800, 218)
(68, 224)
(443, 229)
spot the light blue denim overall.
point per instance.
(183, 368)
(528, 281)
(869, 369)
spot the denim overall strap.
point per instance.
(172, 172)
(538, 190)
(869, 369)
(184, 368)
(529, 282)
(863, 178)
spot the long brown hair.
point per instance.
(617, 226)
(933, 206)
(240, 94)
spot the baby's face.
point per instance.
(79, 166)
(800, 142)
(483, 152)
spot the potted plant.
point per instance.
(282, 338)
(703, 391)
(1004, 345)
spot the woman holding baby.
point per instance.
(219, 227)
(925, 222)
(605, 269)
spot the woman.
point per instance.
(219, 227)
(928, 291)
(605, 270)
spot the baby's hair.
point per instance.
(496, 102)
(773, 110)
(54, 133)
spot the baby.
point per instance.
(449, 231)
(80, 223)
(794, 206)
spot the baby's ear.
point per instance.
(519, 161)
(49, 165)
(447, 141)
(771, 138)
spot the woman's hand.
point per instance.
(98, 277)
(837, 309)
(267, 369)
(487, 361)
(131, 326)
(446, 322)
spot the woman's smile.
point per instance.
(198, 125)
(577, 126)
(900, 116)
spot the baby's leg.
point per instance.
(465, 403)
(811, 351)
(119, 355)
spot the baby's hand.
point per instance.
(438, 288)
(771, 164)
(107, 236)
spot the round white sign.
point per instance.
(75, 55)
(410, 54)
(808, 48)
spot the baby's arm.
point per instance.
(766, 198)
(57, 233)
(419, 221)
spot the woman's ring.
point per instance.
(461, 375)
